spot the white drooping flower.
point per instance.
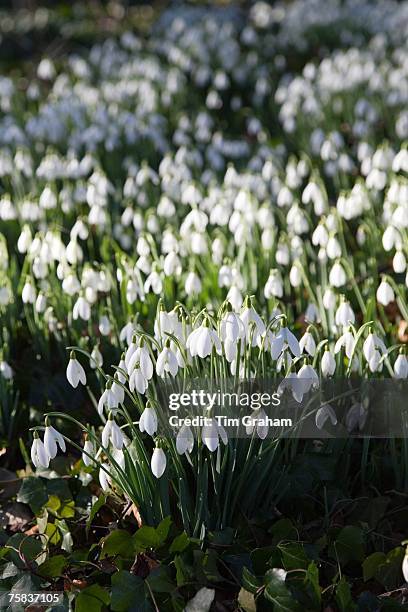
(82, 309)
(401, 366)
(39, 455)
(258, 422)
(202, 341)
(108, 399)
(328, 363)
(345, 315)
(253, 324)
(112, 433)
(96, 360)
(211, 434)
(337, 276)
(345, 341)
(137, 381)
(148, 421)
(193, 284)
(5, 370)
(371, 344)
(184, 440)
(28, 294)
(53, 439)
(89, 451)
(142, 356)
(75, 372)
(274, 285)
(104, 325)
(284, 340)
(324, 413)
(158, 462)
(309, 377)
(307, 344)
(385, 293)
(105, 479)
(167, 362)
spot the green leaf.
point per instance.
(163, 529)
(312, 581)
(28, 546)
(51, 531)
(159, 580)
(34, 493)
(246, 601)
(389, 574)
(343, 596)
(53, 567)
(94, 510)
(293, 556)
(283, 530)
(348, 545)
(92, 599)
(249, 581)
(128, 593)
(146, 537)
(371, 565)
(118, 542)
(179, 543)
(277, 592)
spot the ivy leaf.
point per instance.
(92, 599)
(371, 565)
(246, 601)
(249, 581)
(53, 567)
(180, 543)
(293, 556)
(277, 592)
(128, 593)
(146, 537)
(34, 493)
(348, 545)
(118, 542)
(343, 596)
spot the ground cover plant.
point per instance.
(204, 196)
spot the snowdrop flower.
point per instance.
(40, 303)
(312, 314)
(329, 299)
(253, 324)
(344, 314)
(104, 325)
(405, 565)
(96, 359)
(108, 399)
(112, 433)
(307, 343)
(371, 344)
(28, 294)
(294, 384)
(75, 372)
(356, 417)
(5, 370)
(295, 276)
(385, 293)
(158, 462)
(284, 339)
(202, 341)
(309, 377)
(333, 248)
(184, 440)
(401, 366)
(148, 421)
(89, 449)
(337, 276)
(52, 439)
(167, 362)
(137, 381)
(347, 342)
(105, 479)
(39, 455)
(274, 285)
(81, 310)
(211, 434)
(142, 356)
(399, 262)
(324, 413)
(258, 421)
(192, 284)
(328, 364)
